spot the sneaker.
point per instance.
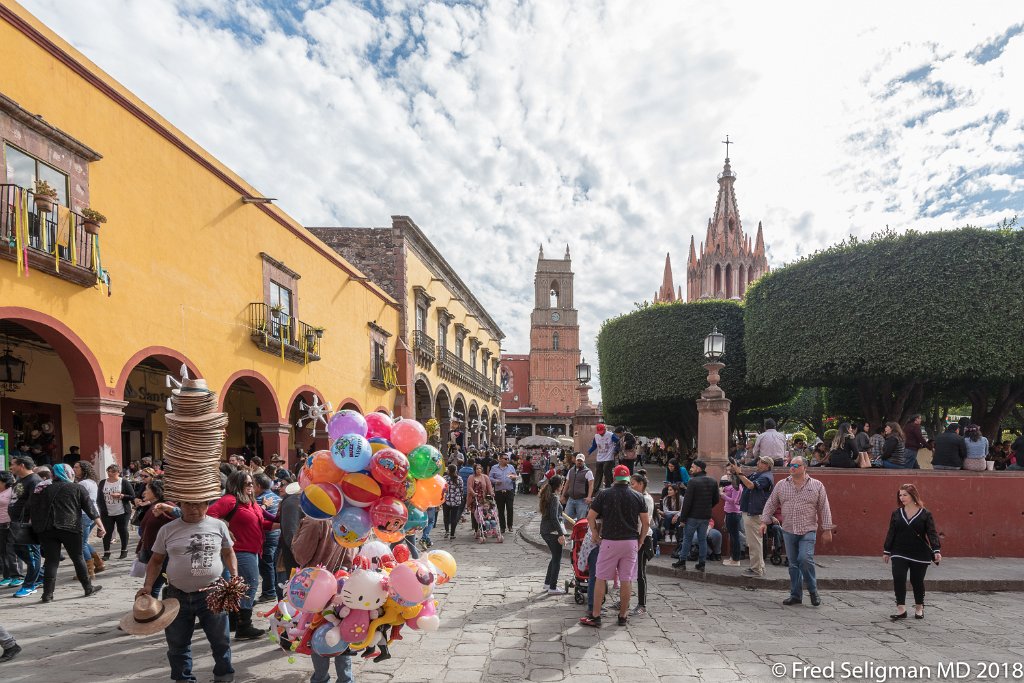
(15, 583)
(731, 563)
(639, 611)
(25, 591)
(753, 572)
(446, 535)
(6, 582)
(556, 591)
(588, 620)
(270, 597)
(681, 564)
(699, 566)
(623, 620)
(10, 653)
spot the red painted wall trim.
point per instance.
(264, 390)
(161, 352)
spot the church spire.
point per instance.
(567, 257)
(541, 256)
(759, 245)
(668, 291)
(693, 253)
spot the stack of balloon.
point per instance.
(374, 483)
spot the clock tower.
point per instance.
(554, 338)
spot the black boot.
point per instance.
(49, 585)
(90, 589)
(246, 631)
(232, 621)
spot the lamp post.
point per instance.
(586, 416)
(713, 410)
(12, 372)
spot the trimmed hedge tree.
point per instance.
(895, 315)
(652, 366)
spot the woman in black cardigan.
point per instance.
(911, 544)
(117, 492)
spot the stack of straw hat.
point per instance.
(195, 440)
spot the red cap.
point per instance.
(600, 428)
(620, 472)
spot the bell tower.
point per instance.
(554, 338)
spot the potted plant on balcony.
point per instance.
(275, 312)
(310, 338)
(45, 196)
(91, 221)
(319, 332)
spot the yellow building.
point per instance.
(191, 268)
(449, 347)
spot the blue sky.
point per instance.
(497, 125)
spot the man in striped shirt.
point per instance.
(804, 506)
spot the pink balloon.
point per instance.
(407, 435)
(378, 425)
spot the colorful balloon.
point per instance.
(429, 492)
(379, 442)
(351, 527)
(388, 515)
(402, 490)
(351, 453)
(346, 422)
(374, 551)
(320, 468)
(389, 466)
(427, 619)
(321, 501)
(410, 583)
(424, 461)
(417, 519)
(390, 537)
(311, 589)
(360, 489)
(378, 425)
(407, 435)
(444, 562)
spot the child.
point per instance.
(526, 469)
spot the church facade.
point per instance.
(727, 262)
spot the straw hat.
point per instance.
(149, 616)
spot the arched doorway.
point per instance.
(424, 401)
(63, 400)
(310, 437)
(143, 385)
(458, 422)
(473, 424)
(485, 428)
(443, 413)
(254, 419)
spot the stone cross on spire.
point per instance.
(727, 142)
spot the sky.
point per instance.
(500, 126)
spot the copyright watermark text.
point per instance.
(883, 673)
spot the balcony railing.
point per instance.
(454, 369)
(55, 242)
(423, 348)
(283, 335)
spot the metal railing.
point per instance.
(423, 347)
(44, 231)
(270, 331)
(453, 368)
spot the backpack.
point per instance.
(628, 441)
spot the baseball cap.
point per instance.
(621, 473)
(580, 456)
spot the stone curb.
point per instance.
(531, 536)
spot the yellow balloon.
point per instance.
(445, 563)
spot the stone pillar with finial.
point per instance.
(713, 410)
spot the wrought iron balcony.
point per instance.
(423, 349)
(55, 242)
(283, 335)
(458, 371)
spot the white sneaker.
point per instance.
(556, 591)
(731, 563)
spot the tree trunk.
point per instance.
(1003, 400)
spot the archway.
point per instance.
(303, 437)
(424, 402)
(443, 413)
(473, 424)
(718, 281)
(63, 401)
(728, 281)
(142, 384)
(350, 404)
(459, 425)
(254, 419)
(485, 427)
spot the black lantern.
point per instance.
(12, 371)
(583, 372)
(714, 345)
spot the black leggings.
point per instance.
(451, 517)
(51, 541)
(641, 572)
(551, 578)
(122, 530)
(917, 570)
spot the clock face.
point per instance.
(555, 317)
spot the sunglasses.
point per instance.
(793, 466)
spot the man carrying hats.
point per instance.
(197, 549)
(624, 521)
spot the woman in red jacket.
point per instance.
(246, 520)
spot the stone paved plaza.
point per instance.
(496, 626)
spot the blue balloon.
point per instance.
(417, 519)
(351, 526)
(320, 646)
(351, 452)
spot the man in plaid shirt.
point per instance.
(804, 506)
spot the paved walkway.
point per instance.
(498, 626)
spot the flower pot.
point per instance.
(310, 340)
(319, 334)
(44, 203)
(91, 227)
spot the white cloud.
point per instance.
(498, 126)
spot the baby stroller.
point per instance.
(578, 583)
(773, 540)
(486, 515)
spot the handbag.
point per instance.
(138, 570)
(23, 534)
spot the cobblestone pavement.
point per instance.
(497, 626)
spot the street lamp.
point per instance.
(12, 372)
(583, 372)
(714, 345)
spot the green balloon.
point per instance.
(424, 462)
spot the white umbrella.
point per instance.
(541, 441)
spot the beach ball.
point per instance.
(416, 520)
(379, 442)
(444, 563)
(320, 645)
(390, 537)
(424, 461)
(346, 422)
(388, 515)
(351, 452)
(304, 477)
(374, 551)
(408, 434)
(321, 501)
(429, 492)
(378, 425)
(389, 466)
(410, 583)
(320, 467)
(360, 489)
(402, 490)
(351, 527)
(311, 589)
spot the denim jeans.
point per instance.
(29, 554)
(577, 508)
(699, 527)
(893, 466)
(268, 562)
(591, 582)
(322, 669)
(732, 525)
(800, 552)
(911, 458)
(179, 635)
(249, 570)
(87, 526)
(431, 523)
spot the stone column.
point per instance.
(99, 424)
(275, 440)
(584, 422)
(713, 424)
